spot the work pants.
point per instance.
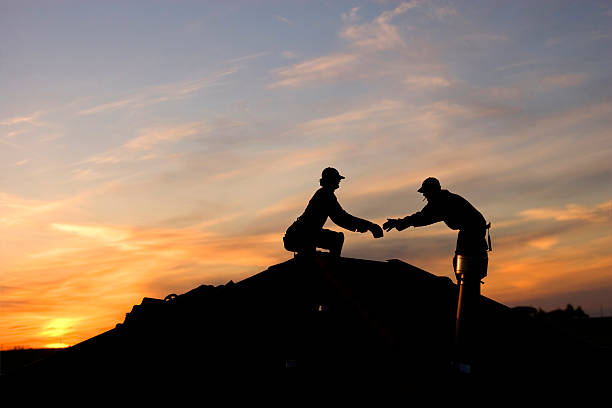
(469, 271)
(304, 242)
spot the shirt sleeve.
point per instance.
(428, 215)
(343, 219)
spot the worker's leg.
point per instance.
(467, 312)
(469, 271)
(299, 242)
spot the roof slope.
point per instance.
(327, 314)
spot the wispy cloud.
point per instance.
(563, 120)
(248, 57)
(18, 211)
(443, 12)
(85, 175)
(290, 54)
(283, 19)
(154, 136)
(424, 81)
(11, 144)
(99, 232)
(499, 93)
(338, 123)
(139, 148)
(482, 39)
(543, 243)
(520, 64)
(292, 203)
(111, 106)
(359, 59)
(111, 236)
(14, 133)
(31, 118)
(379, 34)
(351, 16)
(315, 70)
(267, 162)
(160, 93)
(15, 209)
(599, 213)
(564, 80)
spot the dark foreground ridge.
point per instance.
(334, 314)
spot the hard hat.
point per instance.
(331, 174)
(430, 185)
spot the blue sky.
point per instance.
(149, 147)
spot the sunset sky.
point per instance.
(149, 147)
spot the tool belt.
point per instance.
(470, 266)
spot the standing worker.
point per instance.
(470, 261)
(307, 232)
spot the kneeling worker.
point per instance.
(307, 232)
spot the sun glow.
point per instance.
(58, 327)
(57, 345)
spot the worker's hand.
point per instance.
(377, 232)
(390, 224)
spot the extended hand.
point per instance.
(377, 232)
(390, 224)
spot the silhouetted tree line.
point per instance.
(558, 314)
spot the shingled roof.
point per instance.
(322, 314)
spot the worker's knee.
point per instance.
(331, 240)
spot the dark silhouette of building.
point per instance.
(338, 315)
(307, 232)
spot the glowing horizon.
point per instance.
(147, 149)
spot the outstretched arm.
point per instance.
(426, 216)
(345, 220)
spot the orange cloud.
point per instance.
(544, 242)
(31, 119)
(599, 213)
(104, 234)
(151, 137)
(68, 294)
(16, 210)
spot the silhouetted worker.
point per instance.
(307, 232)
(470, 261)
